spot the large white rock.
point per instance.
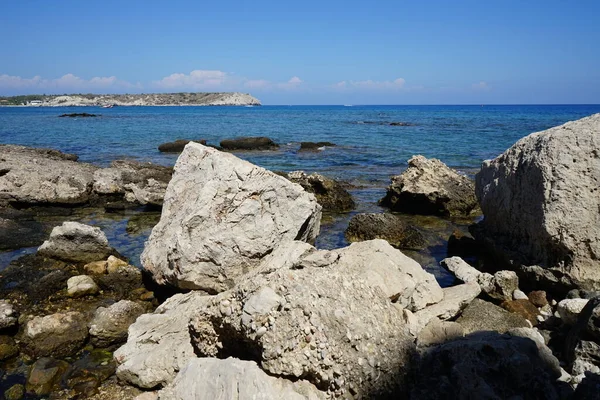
(58, 335)
(541, 200)
(110, 324)
(73, 241)
(221, 216)
(212, 378)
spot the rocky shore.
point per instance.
(152, 99)
(234, 301)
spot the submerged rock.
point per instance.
(428, 186)
(249, 143)
(45, 373)
(76, 242)
(330, 194)
(541, 204)
(177, 146)
(57, 335)
(385, 226)
(74, 115)
(314, 146)
(221, 216)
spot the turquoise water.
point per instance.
(368, 150)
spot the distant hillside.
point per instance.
(155, 99)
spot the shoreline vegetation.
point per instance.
(144, 99)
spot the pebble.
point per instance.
(261, 331)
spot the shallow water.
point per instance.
(368, 150)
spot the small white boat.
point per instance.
(108, 106)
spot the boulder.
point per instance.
(109, 325)
(314, 146)
(220, 217)
(438, 332)
(480, 315)
(569, 309)
(334, 318)
(581, 347)
(44, 374)
(504, 285)
(8, 348)
(486, 365)
(76, 242)
(139, 182)
(211, 378)
(429, 187)
(385, 226)
(330, 194)
(249, 143)
(58, 335)
(8, 315)
(467, 273)
(538, 298)
(122, 280)
(456, 298)
(81, 285)
(541, 204)
(524, 308)
(43, 176)
(19, 229)
(177, 146)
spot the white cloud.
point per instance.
(295, 80)
(66, 83)
(197, 79)
(481, 86)
(293, 83)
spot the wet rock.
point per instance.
(15, 392)
(524, 308)
(480, 315)
(234, 379)
(95, 268)
(81, 285)
(485, 365)
(8, 315)
(569, 309)
(57, 335)
(314, 146)
(122, 280)
(20, 232)
(177, 146)
(249, 143)
(330, 194)
(428, 186)
(45, 373)
(8, 348)
(109, 325)
(86, 374)
(76, 242)
(138, 182)
(221, 216)
(541, 204)
(75, 115)
(35, 176)
(538, 298)
(388, 227)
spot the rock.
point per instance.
(297, 314)
(76, 242)
(159, 345)
(8, 348)
(504, 285)
(428, 186)
(74, 115)
(87, 373)
(249, 143)
(18, 229)
(147, 396)
(589, 387)
(456, 298)
(485, 365)
(139, 182)
(519, 295)
(110, 325)
(42, 176)
(467, 273)
(330, 194)
(569, 309)
(388, 227)
(81, 285)
(177, 146)
(480, 315)
(538, 298)
(57, 335)
(95, 268)
(44, 374)
(113, 264)
(315, 146)
(15, 392)
(541, 204)
(582, 294)
(8, 315)
(462, 244)
(122, 279)
(234, 379)
(221, 216)
(524, 308)
(438, 332)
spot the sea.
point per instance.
(369, 149)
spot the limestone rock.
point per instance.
(504, 285)
(76, 242)
(480, 315)
(428, 186)
(467, 273)
(249, 143)
(8, 315)
(330, 194)
(334, 318)
(524, 308)
(159, 345)
(385, 226)
(541, 204)
(110, 324)
(34, 176)
(456, 298)
(538, 298)
(220, 217)
(81, 285)
(569, 309)
(519, 295)
(211, 378)
(143, 183)
(438, 332)
(59, 335)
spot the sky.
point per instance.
(308, 52)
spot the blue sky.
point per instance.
(309, 52)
